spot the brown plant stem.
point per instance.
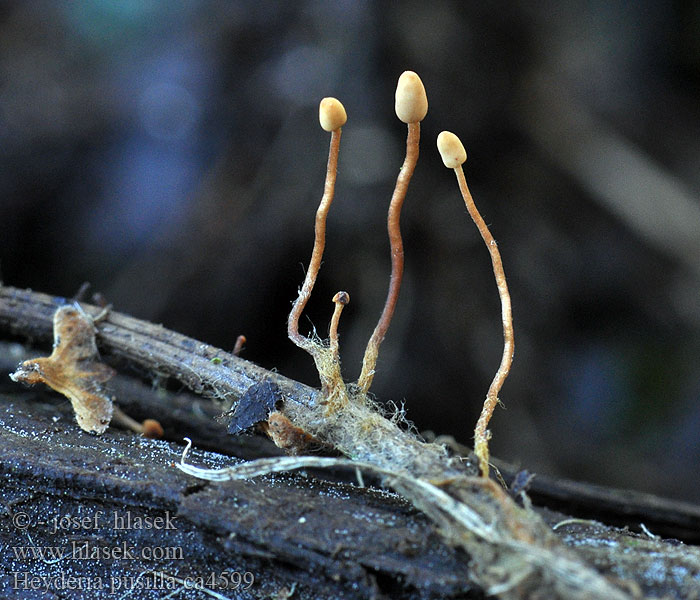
(481, 434)
(393, 226)
(319, 245)
(340, 300)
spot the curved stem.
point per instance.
(319, 245)
(481, 434)
(340, 300)
(370, 358)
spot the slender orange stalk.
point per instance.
(340, 300)
(453, 155)
(411, 108)
(332, 117)
(240, 341)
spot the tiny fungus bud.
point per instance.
(331, 114)
(411, 100)
(152, 429)
(451, 150)
(342, 298)
(240, 341)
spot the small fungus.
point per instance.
(238, 346)
(411, 108)
(341, 299)
(454, 155)
(150, 428)
(329, 112)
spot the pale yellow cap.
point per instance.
(331, 114)
(451, 149)
(411, 101)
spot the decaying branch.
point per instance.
(204, 369)
(194, 416)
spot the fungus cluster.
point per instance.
(411, 108)
(506, 543)
(411, 105)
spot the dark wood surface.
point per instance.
(311, 535)
(330, 539)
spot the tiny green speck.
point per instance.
(216, 360)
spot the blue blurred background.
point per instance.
(169, 153)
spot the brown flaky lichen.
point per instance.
(74, 369)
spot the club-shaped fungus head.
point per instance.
(411, 100)
(152, 429)
(451, 150)
(341, 298)
(331, 114)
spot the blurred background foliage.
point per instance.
(169, 153)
